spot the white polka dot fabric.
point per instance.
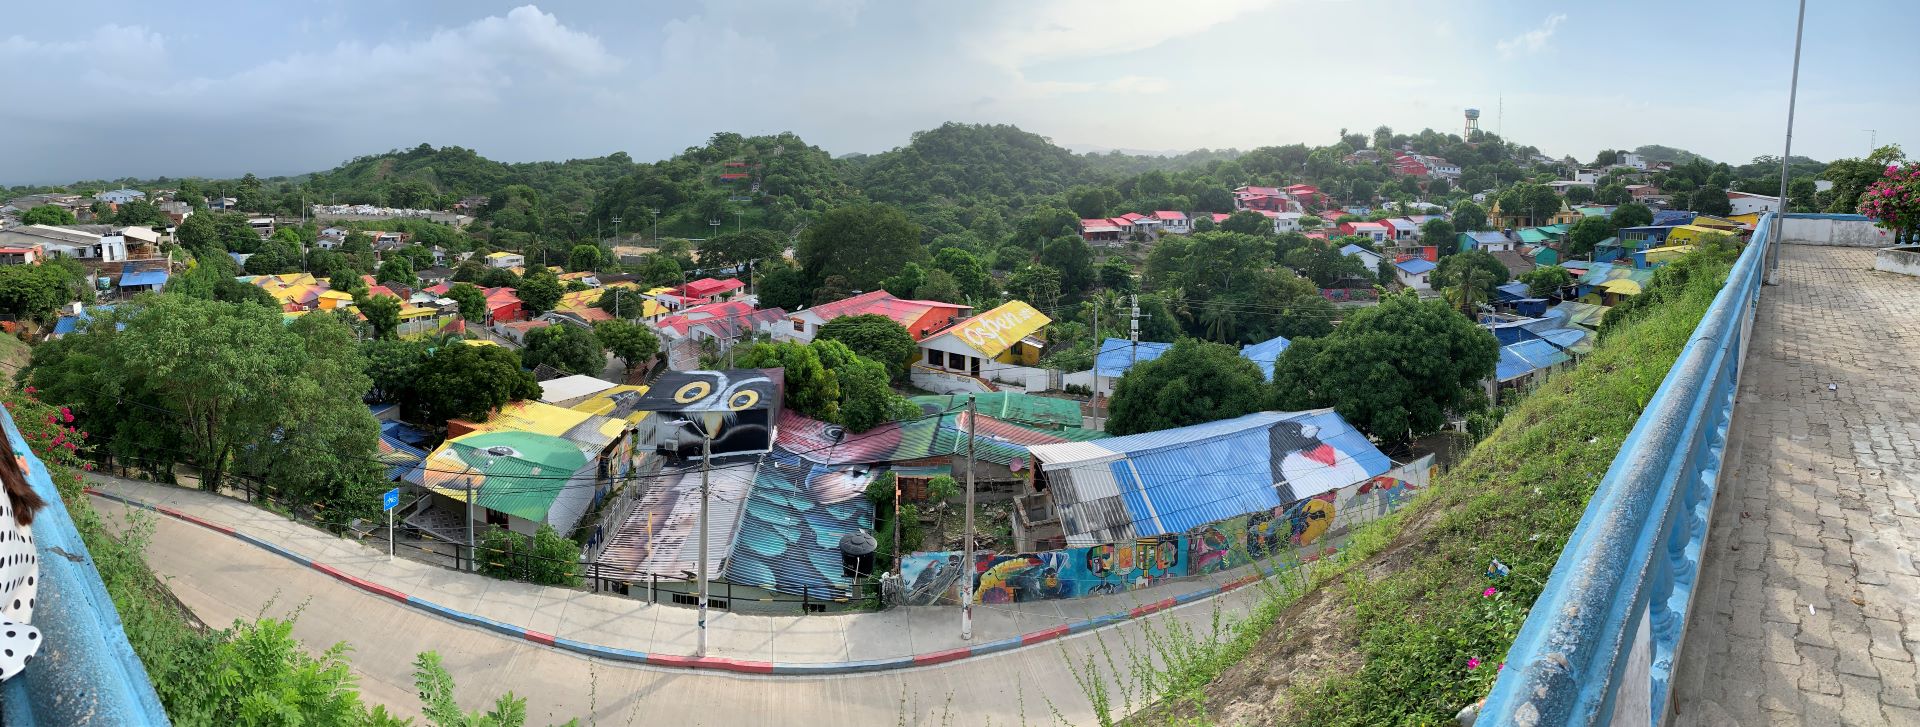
(19, 581)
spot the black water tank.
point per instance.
(856, 553)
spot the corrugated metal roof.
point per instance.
(790, 529)
(1264, 353)
(661, 536)
(1525, 357)
(1176, 479)
(1010, 406)
(1118, 354)
(1415, 266)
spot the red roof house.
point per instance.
(707, 289)
(919, 317)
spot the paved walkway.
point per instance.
(1809, 610)
(1031, 684)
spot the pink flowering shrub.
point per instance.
(1894, 201)
(52, 436)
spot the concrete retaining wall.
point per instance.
(1834, 230)
(1903, 260)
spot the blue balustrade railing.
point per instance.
(1600, 644)
(86, 673)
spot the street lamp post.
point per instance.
(706, 466)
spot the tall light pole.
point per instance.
(966, 563)
(1793, 94)
(616, 228)
(656, 225)
(706, 465)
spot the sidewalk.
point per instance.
(626, 629)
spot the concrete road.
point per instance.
(222, 580)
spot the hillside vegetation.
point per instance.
(1407, 629)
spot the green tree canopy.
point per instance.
(863, 242)
(47, 214)
(810, 388)
(1395, 371)
(1579, 194)
(1070, 255)
(1193, 383)
(865, 401)
(782, 285)
(1453, 269)
(566, 347)
(968, 271)
(583, 258)
(1469, 217)
(632, 342)
(397, 270)
(1247, 222)
(464, 381)
(1632, 214)
(540, 290)
(874, 337)
(736, 248)
(472, 300)
(35, 291)
(1440, 233)
(1711, 200)
(1585, 233)
(1546, 280)
(382, 312)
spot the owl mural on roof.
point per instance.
(741, 404)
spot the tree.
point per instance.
(1325, 266)
(810, 388)
(1613, 193)
(465, 381)
(397, 270)
(1535, 201)
(1546, 281)
(1039, 285)
(472, 300)
(631, 342)
(1453, 270)
(382, 312)
(865, 400)
(625, 302)
(1438, 187)
(540, 291)
(1193, 383)
(393, 369)
(1395, 371)
(940, 286)
(1579, 194)
(1711, 200)
(1469, 217)
(1044, 224)
(783, 286)
(1586, 233)
(275, 257)
(1247, 222)
(197, 235)
(863, 242)
(1632, 214)
(566, 347)
(734, 249)
(875, 337)
(968, 271)
(34, 291)
(1070, 255)
(904, 283)
(1091, 202)
(1115, 274)
(499, 278)
(1439, 232)
(584, 258)
(1894, 202)
(469, 270)
(47, 214)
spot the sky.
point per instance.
(146, 89)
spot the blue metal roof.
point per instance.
(1486, 237)
(1118, 354)
(1351, 248)
(1415, 266)
(1264, 353)
(1512, 291)
(1669, 218)
(144, 277)
(1173, 480)
(1525, 357)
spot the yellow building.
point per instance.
(1502, 221)
(1009, 334)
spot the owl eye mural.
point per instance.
(746, 402)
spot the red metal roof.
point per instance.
(880, 302)
(709, 287)
(1169, 215)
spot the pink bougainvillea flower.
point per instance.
(1473, 663)
(1489, 592)
(32, 390)
(66, 415)
(88, 466)
(1501, 665)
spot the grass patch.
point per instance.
(1412, 629)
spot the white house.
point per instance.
(1174, 222)
(1744, 203)
(1286, 221)
(120, 196)
(1630, 159)
(67, 242)
(1401, 229)
(504, 259)
(262, 226)
(1370, 258)
(1587, 176)
(1413, 273)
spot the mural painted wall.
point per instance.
(1116, 568)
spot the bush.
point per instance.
(546, 558)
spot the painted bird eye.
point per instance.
(743, 399)
(692, 392)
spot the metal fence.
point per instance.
(1600, 643)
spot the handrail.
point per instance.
(1600, 643)
(86, 673)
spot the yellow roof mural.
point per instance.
(1622, 286)
(500, 254)
(1712, 221)
(994, 331)
(606, 403)
(416, 312)
(480, 342)
(1667, 254)
(578, 299)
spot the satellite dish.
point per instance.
(500, 451)
(858, 542)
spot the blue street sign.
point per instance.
(390, 500)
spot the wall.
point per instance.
(1119, 567)
(1905, 261)
(946, 382)
(1834, 230)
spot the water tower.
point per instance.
(1473, 124)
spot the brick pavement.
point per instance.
(1809, 606)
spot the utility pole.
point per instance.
(616, 228)
(1133, 331)
(706, 466)
(1098, 343)
(1873, 140)
(966, 564)
(656, 226)
(473, 494)
(1772, 276)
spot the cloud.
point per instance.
(1531, 41)
(1017, 37)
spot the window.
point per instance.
(495, 517)
(799, 326)
(935, 359)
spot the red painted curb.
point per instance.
(1046, 635)
(1151, 608)
(380, 590)
(202, 522)
(942, 657)
(708, 662)
(539, 638)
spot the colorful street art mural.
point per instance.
(1210, 548)
(744, 405)
(789, 536)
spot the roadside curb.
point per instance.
(703, 663)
